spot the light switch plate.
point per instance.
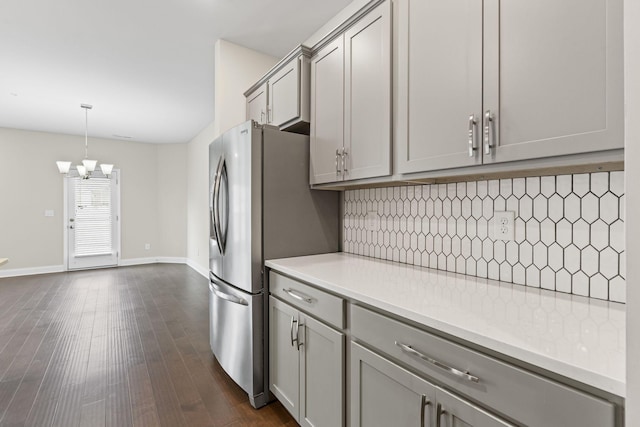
(372, 221)
(503, 225)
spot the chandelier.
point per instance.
(86, 169)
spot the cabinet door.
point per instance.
(368, 95)
(327, 112)
(553, 77)
(257, 105)
(455, 412)
(321, 375)
(439, 83)
(284, 94)
(283, 355)
(384, 394)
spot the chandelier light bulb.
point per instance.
(86, 169)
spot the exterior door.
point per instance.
(92, 221)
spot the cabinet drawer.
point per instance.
(322, 305)
(520, 395)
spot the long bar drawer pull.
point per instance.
(299, 296)
(466, 375)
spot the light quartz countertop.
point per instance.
(573, 336)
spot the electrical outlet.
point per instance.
(48, 212)
(503, 225)
(147, 246)
(372, 221)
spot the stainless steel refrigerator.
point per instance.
(260, 208)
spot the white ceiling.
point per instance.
(145, 65)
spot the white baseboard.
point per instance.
(13, 272)
(151, 260)
(203, 271)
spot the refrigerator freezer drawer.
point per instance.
(236, 331)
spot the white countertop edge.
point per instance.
(594, 379)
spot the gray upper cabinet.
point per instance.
(327, 112)
(257, 105)
(439, 83)
(281, 97)
(351, 102)
(488, 82)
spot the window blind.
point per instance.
(93, 219)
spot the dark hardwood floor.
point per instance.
(126, 346)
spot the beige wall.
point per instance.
(351, 9)
(632, 159)
(198, 199)
(164, 187)
(236, 69)
(171, 178)
(30, 184)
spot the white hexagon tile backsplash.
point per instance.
(568, 234)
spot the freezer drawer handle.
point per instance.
(228, 297)
(458, 373)
(299, 296)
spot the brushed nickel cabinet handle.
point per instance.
(299, 296)
(345, 154)
(439, 413)
(458, 373)
(300, 343)
(488, 122)
(472, 134)
(423, 406)
(293, 340)
(338, 156)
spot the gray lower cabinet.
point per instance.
(510, 392)
(385, 394)
(306, 366)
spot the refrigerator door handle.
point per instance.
(227, 297)
(216, 206)
(224, 177)
(212, 234)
